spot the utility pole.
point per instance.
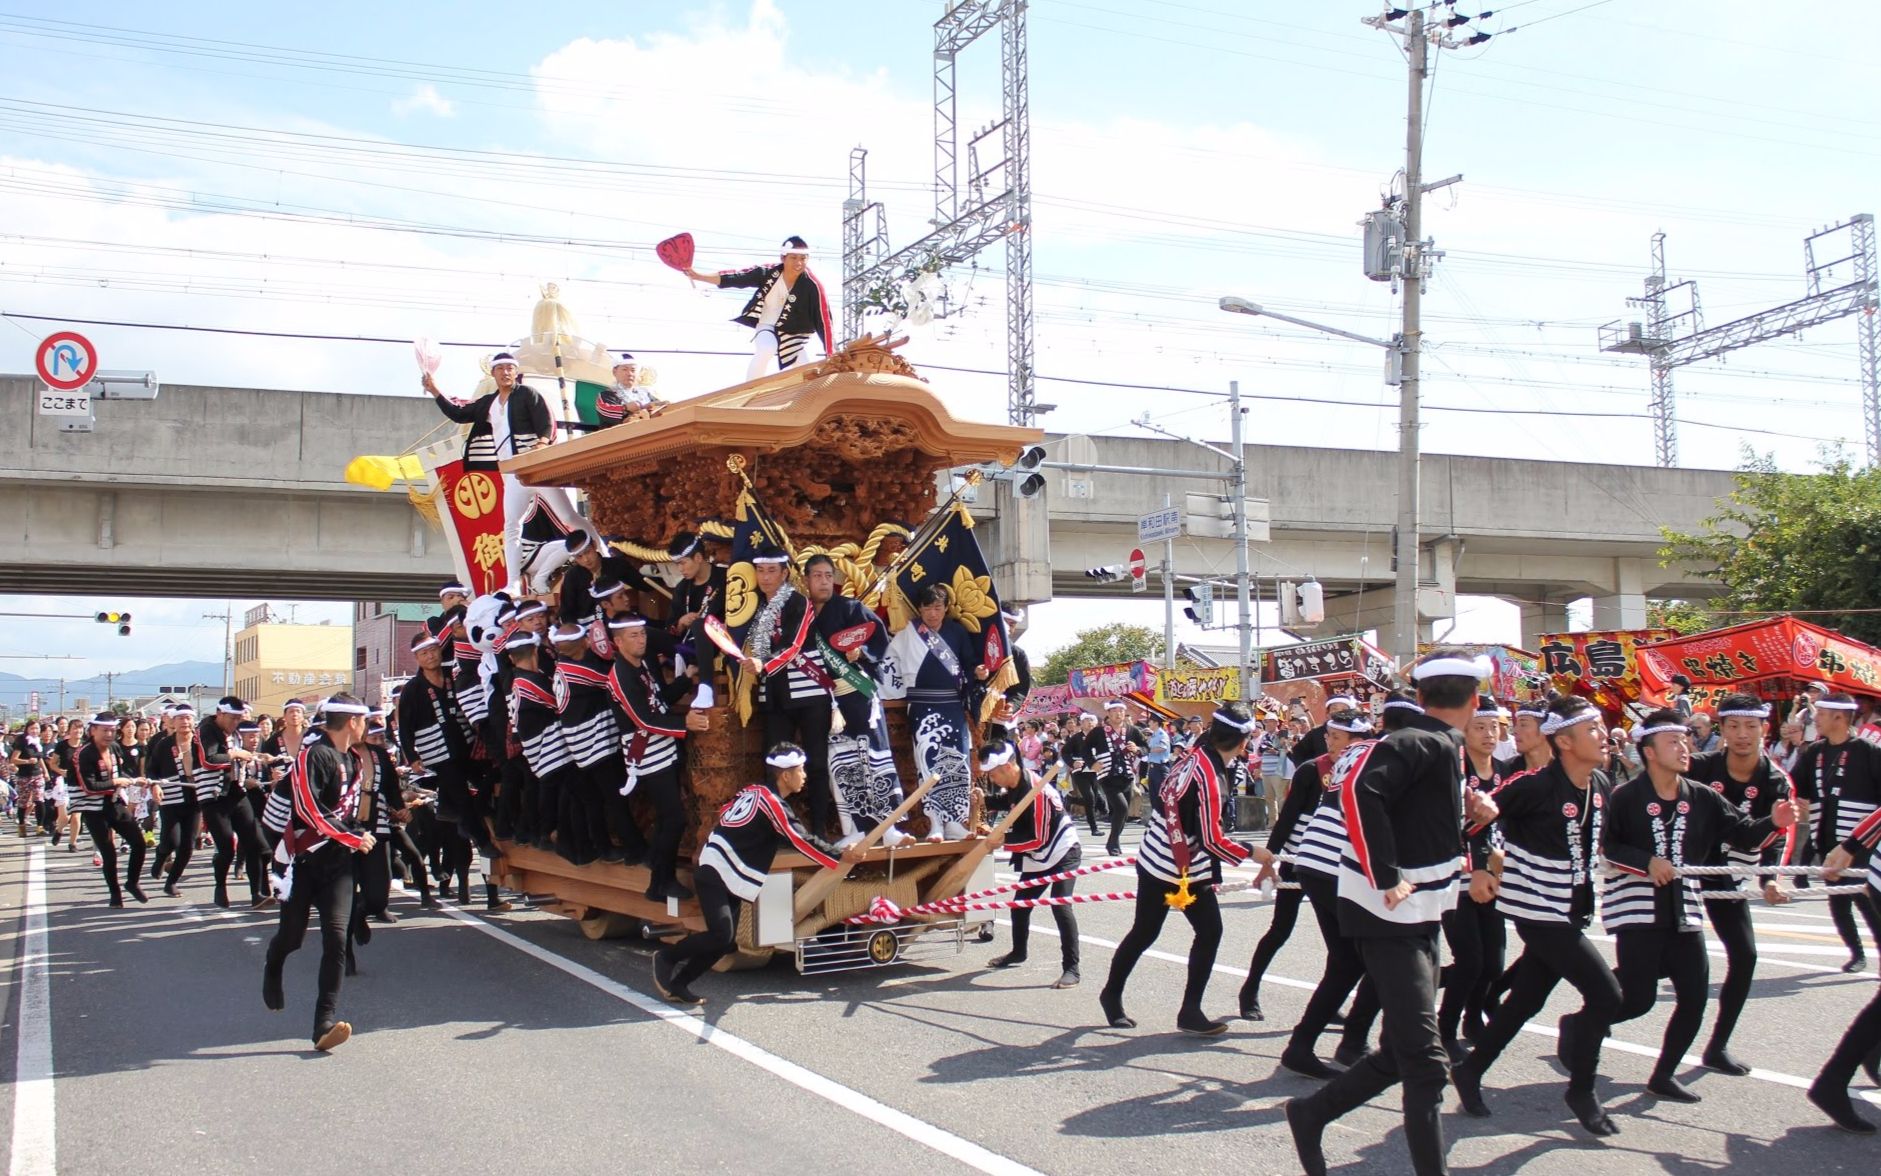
(109, 696)
(1244, 624)
(1169, 599)
(1404, 603)
(228, 649)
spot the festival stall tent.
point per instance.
(1773, 659)
(1315, 671)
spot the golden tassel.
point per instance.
(1180, 899)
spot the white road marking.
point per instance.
(945, 1142)
(35, 1135)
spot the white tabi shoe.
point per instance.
(956, 831)
(848, 841)
(895, 837)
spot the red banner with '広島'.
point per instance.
(470, 507)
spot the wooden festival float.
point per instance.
(831, 449)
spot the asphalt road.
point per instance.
(511, 1043)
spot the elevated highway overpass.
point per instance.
(240, 492)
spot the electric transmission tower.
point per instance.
(995, 205)
(1674, 333)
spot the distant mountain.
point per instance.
(16, 691)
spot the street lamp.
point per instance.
(1404, 604)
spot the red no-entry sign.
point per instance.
(65, 360)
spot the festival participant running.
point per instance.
(787, 309)
(25, 755)
(1840, 776)
(1861, 1045)
(1119, 747)
(95, 797)
(733, 865)
(1659, 822)
(1322, 846)
(1752, 783)
(1043, 841)
(1474, 930)
(436, 736)
(224, 800)
(1080, 752)
(934, 654)
(1404, 812)
(1185, 846)
(1552, 822)
(323, 843)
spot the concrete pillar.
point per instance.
(1625, 607)
(1542, 617)
(1017, 545)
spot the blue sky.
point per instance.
(1182, 150)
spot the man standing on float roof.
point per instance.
(787, 309)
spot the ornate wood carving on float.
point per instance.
(831, 449)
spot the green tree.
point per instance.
(1804, 543)
(1105, 645)
(1683, 617)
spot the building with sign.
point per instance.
(275, 662)
(382, 653)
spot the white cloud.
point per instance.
(425, 98)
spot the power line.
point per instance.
(995, 372)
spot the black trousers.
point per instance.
(1863, 1040)
(115, 819)
(576, 836)
(1842, 908)
(1062, 915)
(232, 821)
(1403, 969)
(1553, 952)
(1286, 917)
(696, 953)
(179, 827)
(1117, 801)
(1730, 918)
(1647, 954)
(512, 815)
(1204, 915)
(807, 725)
(1086, 785)
(1477, 941)
(1344, 972)
(414, 861)
(616, 820)
(323, 884)
(661, 789)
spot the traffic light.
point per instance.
(1108, 574)
(121, 619)
(1201, 608)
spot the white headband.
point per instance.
(790, 759)
(1478, 667)
(533, 608)
(288, 706)
(627, 623)
(600, 593)
(1645, 733)
(1533, 710)
(1351, 726)
(1554, 723)
(1114, 704)
(1762, 712)
(453, 590)
(1344, 701)
(989, 762)
(693, 545)
(523, 640)
(795, 250)
(1491, 711)
(1228, 720)
(1403, 704)
(101, 722)
(427, 643)
(224, 709)
(565, 633)
(1826, 704)
(333, 706)
(770, 559)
